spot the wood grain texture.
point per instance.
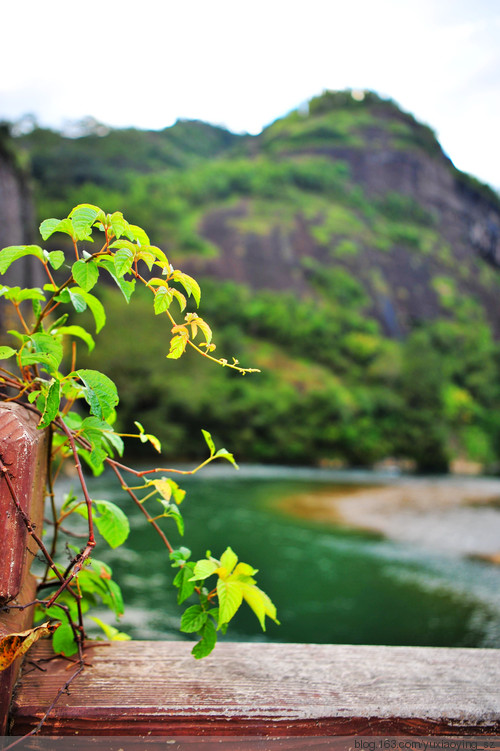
(23, 450)
(136, 688)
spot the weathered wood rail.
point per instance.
(252, 689)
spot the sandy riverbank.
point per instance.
(450, 514)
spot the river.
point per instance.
(347, 557)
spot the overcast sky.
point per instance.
(243, 64)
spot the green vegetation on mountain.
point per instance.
(360, 268)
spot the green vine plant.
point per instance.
(78, 408)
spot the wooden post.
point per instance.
(23, 451)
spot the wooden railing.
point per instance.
(252, 689)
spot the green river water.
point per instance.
(331, 584)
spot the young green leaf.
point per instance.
(100, 392)
(51, 408)
(49, 226)
(123, 260)
(260, 603)
(183, 582)
(168, 488)
(133, 232)
(207, 642)
(45, 349)
(178, 345)
(118, 223)
(14, 252)
(85, 274)
(193, 619)
(172, 510)
(145, 437)
(163, 298)
(18, 295)
(190, 285)
(112, 523)
(6, 352)
(63, 641)
(228, 560)
(82, 217)
(179, 556)
(56, 258)
(230, 597)
(77, 331)
(126, 286)
(224, 454)
(204, 568)
(209, 441)
(111, 633)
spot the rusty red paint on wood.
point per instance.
(23, 450)
(280, 690)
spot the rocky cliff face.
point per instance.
(411, 228)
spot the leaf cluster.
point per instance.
(78, 406)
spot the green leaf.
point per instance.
(94, 430)
(207, 642)
(193, 619)
(16, 294)
(230, 597)
(96, 308)
(75, 297)
(97, 580)
(177, 346)
(172, 510)
(85, 274)
(224, 454)
(110, 520)
(145, 437)
(78, 331)
(205, 328)
(163, 298)
(82, 218)
(127, 287)
(123, 260)
(6, 352)
(204, 568)
(128, 244)
(179, 297)
(100, 393)
(112, 523)
(118, 223)
(137, 233)
(259, 602)
(63, 641)
(168, 488)
(115, 442)
(190, 285)
(111, 633)
(80, 299)
(183, 582)
(52, 401)
(14, 252)
(46, 350)
(179, 556)
(49, 226)
(56, 259)
(209, 441)
(228, 559)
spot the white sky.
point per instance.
(243, 64)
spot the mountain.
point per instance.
(342, 252)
